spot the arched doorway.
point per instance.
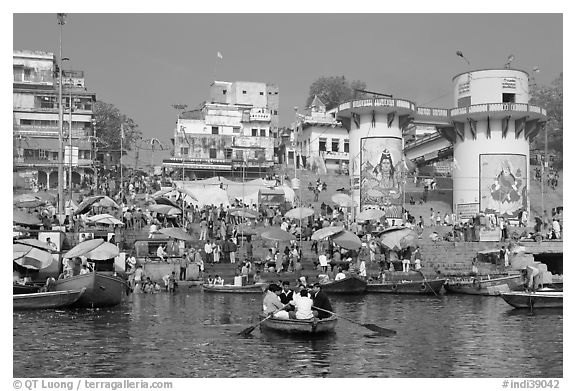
(42, 178)
(53, 180)
(76, 179)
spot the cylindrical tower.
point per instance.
(376, 158)
(492, 127)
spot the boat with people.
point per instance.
(351, 284)
(544, 298)
(412, 287)
(46, 300)
(484, 285)
(229, 288)
(103, 289)
(312, 326)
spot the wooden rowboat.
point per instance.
(103, 289)
(46, 300)
(349, 285)
(20, 289)
(485, 287)
(254, 288)
(421, 287)
(300, 326)
(538, 299)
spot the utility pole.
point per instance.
(61, 22)
(70, 155)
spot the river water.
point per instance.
(195, 334)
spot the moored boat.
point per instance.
(254, 288)
(103, 289)
(538, 299)
(46, 300)
(300, 326)
(420, 287)
(485, 287)
(22, 289)
(349, 285)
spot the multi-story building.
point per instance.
(234, 130)
(36, 120)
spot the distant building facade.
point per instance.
(234, 130)
(36, 120)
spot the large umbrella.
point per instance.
(176, 233)
(370, 214)
(34, 243)
(244, 229)
(326, 232)
(275, 233)
(166, 201)
(83, 247)
(299, 213)
(106, 202)
(28, 201)
(239, 212)
(104, 251)
(165, 209)
(399, 239)
(105, 218)
(343, 200)
(23, 218)
(347, 240)
(87, 203)
(31, 257)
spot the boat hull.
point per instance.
(300, 326)
(428, 287)
(19, 289)
(102, 290)
(351, 285)
(46, 300)
(246, 289)
(491, 287)
(534, 299)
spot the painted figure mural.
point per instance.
(503, 184)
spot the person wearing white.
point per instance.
(160, 253)
(340, 276)
(405, 265)
(417, 264)
(272, 304)
(323, 262)
(362, 268)
(303, 305)
(556, 228)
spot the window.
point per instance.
(275, 112)
(508, 98)
(335, 145)
(235, 129)
(254, 132)
(25, 122)
(212, 153)
(276, 93)
(261, 93)
(27, 73)
(239, 154)
(223, 92)
(346, 146)
(244, 92)
(184, 151)
(228, 153)
(18, 72)
(214, 129)
(464, 102)
(262, 132)
(322, 144)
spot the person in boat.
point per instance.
(323, 278)
(286, 295)
(84, 269)
(362, 268)
(161, 253)
(320, 300)
(257, 277)
(218, 280)
(272, 303)
(210, 280)
(340, 275)
(303, 304)
(52, 245)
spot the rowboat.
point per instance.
(349, 285)
(486, 287)
(21, 289)
(299, 326)
(538, 299)
(420, 287)
(46, 300)
(254, 288)
(103, 289)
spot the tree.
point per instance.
(550, 98)
(109, 121)
(333, 90)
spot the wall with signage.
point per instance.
(487, 86)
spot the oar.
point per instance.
(369, 326)
(426, 282)
(248, 330)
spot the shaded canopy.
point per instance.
(326, 232)
(275, 233)
(347, 240)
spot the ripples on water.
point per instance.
(192, 334)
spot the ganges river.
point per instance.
(194, 334)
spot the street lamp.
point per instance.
(509, 61)
(460, 54)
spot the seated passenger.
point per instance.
(303, 304)
(210, 280)
(272, 304)
(340, 275)
(218, 280)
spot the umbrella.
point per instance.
(251, 214)
(23, 218)
(176, 233)
(399, 239)
(166, 201)
(34, 243)
(104, 251)
(31, 257)
(343, 200)
(299, 213)
(275, 233)
(244, 229)
(105, 218)
(106, 202)
(86, 204)
(83, 247)
(370, 214)
(326, 232)
(347, 240)
(28, 201)
(165, 209)
(45, 196)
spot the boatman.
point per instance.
(272, 304)
(320, 300)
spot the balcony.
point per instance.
(260, 117)
(380, 105)
(498, 110)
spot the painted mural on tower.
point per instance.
(381, 174)
(503, 184)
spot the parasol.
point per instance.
(104, 251)
(165, 209)
(83, 247)
(343, 200)
(105, 218)
(34, 243)
(176, 233)
(28, 201)
(31, 257)
(23, 218)
(347, 240)
(166, 201)
(87, 203)
(275, 233)
(398, 239)
(248, 213)
(299, 213)
(326, 232)
(106, 202)
(370, 214)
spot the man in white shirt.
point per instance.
(340, 275)
(303, 305)
(284, 225)
(208, 250)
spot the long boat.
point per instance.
(21, 289)
(300, 326)
(419, 287)
(254, 288)
(538, 299)
(103, 289)
(46, 300)
(349, 285)
(485, 287)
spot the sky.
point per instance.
(144, 63)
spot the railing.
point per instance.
(432, 112)
(497, 107)
(260, 117)
(378, 102)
